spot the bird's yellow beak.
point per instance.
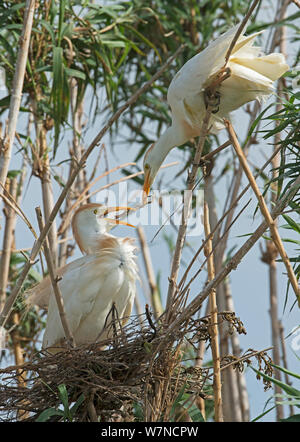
(147, 184)
(117, 209)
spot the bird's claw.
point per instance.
(212, 99)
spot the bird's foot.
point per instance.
(212, 99)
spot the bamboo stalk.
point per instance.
(78, 166)
(214, 322)
(16, 93)
(272, 265)
(231, 398)
(156, 301)
(275, 326)
(80, 183)
(227, 384)
(76, 113)
(10, 222)
(54, 280)
(41, 168)
(265, 211)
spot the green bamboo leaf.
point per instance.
(123, 57)
(77, 404)
(5, 102)
(13, 173)
(284, 370)
(75, 73)
(63, 395)
(256, 121)
(62, 8)
(46, 414)
(295, 226)
(67, 30)
(50, 30)
(263, 414)
(144, 39)
(285, 387)
(293, 418)
(9, 12)
(57, 90)
(7, 46)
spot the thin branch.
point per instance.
(240, 30)
(16, 94)
(155, 298)
(265, 211)
(9, 200)
(54, 280)
(214, 321)
(204, 243)
(296, 2)
(10, 221)
(228, 224)
(210, 155)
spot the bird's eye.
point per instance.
(146, 166)
(95, 211)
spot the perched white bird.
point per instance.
(90, 285)
(252, 77)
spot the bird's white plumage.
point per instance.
(90, 286)
(251, 77)
(89, 289)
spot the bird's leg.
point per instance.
(212, 97)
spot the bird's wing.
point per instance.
(70, 286)
(129, 305)
(39, 294)
(195, 75)
(93, 280)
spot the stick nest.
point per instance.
(141, 366)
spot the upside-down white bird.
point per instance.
(252, 77)
(90, 285)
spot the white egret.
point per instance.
(252, 77)
(90, 285)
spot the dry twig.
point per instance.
(214, 322)
(265, 211)
(16, 93)
(155, 298)
(54, 280)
